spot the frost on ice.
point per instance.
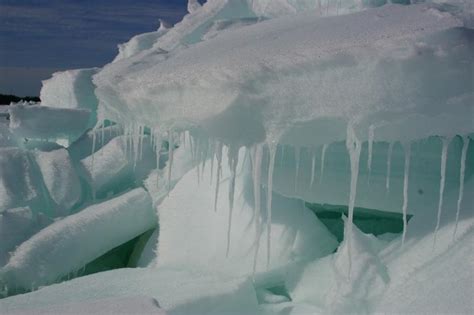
(267, 157)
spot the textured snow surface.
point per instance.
(293, 70)
(110, 306)
(172, 289)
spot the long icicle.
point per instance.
(462, 171)
(282, 154)
(297, 167)
(370, 150)
(389, 166)
(257, 170)
(170, 157)
(218, 172)
(407, 148)
(313, 165)
(271, 166)
(213, 154)
(94, 137)
(157, 137)
(323, 157)
(444, 155)
(233, 157)
(353, 147)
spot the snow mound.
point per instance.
(211, 294)
(110, 306)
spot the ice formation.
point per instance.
(52, 253)
(271, 157)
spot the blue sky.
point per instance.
(38, 37)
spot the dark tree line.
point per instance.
(7, 99)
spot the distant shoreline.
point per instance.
(6, 99)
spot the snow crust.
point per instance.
(253, 74)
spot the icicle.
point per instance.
(444, 157)
(152, 138)
(370, 149)
(313, 165)
(136, 144)
(204, 156)
(142, 138)
(218, 171)
(271, 166)
(233, 157)
(102, 134)
(353, 147)
(462, 170)
(94, 136)
(323, 157)
(405, 189)
(213, 153)
(389, 166)
(170, 157)
(158, 155)
(197, 154)
(282, 154)
(257, 170)
(297, 167)
(184, 138)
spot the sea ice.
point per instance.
(48, 123)
(16, 225)
(19, 183)
(70, 243)
(60, 179)
(112, 167)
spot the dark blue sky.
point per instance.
(38, 37)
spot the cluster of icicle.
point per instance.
(204, 149)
